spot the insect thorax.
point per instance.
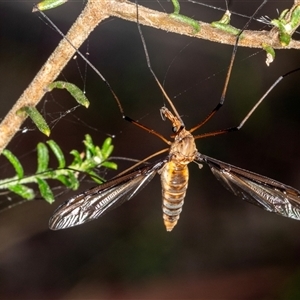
(183, 150)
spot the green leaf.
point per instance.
(75, 91)
(45, 190)
(58, 153)
(77, 157)
(36, 117)
(23, 191)
(71, 184)
(107, 148)
(270, 53)
(287, 23)
(108, 151)
(90, 148)
(42, 158)
(15, 163)
(88, 142)
(184, 19)
(295, 18)
(110, 165)
(224, 24)
(107, 142)
(96, 177)
(176, 6)
(48, 4)
(74, 183)
(97, 180)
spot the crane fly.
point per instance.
(262, 191)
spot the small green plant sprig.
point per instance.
(38, 119)
(287, 23)
(83, 162)
(48, 4)
(184, 19)
(224, 24)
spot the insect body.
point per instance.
(175, 174)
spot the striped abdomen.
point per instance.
(174, 181)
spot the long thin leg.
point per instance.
(108, 85)
(150, 67)
(144, 160)
(223, 95)
(214, 133)
(147, 129)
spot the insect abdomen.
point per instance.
(174, 181)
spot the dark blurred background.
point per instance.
(222, 248)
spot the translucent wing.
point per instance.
(262, 191)
(95, 202)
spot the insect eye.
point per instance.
(174, 129)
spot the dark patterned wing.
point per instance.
(93, 203)
(262, 191)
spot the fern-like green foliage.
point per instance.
(83, 162)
